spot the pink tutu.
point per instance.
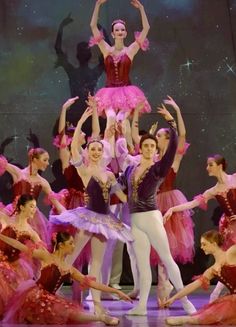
(33, 305)
(123, 98)
(179, 228)
(222, 311)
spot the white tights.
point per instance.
(98, 247)
(148, 229)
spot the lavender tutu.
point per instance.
(94, 222)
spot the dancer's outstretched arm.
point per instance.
(103, 45)
(135, 46)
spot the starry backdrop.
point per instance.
(192, 57)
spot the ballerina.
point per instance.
(37, 303)
(221, 311)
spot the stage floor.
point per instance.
(154, 318)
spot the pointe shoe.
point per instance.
(137, 311)
(188, 307)
(116, 286)
(134, 294)
(174, 321)
(109, 321)
(163, 293)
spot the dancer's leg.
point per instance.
(156, 234)
(116, 266)
(142, 250)
(164, 287)
(216, 292)
(80, 240)
(98, 247)
(134, 268)
(181, 320)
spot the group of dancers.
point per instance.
(120, 174)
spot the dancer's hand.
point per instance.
(164, 112)
(137, 4)
(171, 102)
(153, 128)
(69, 103)
(68, 20)
(91, 102)
(167, 215)
(140, 106)
(101, 2)
(87, 113)
(166, 304)
(123, 296)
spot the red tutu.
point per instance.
(179, 228)
(33, 305)
(222, 311)
(227, 227)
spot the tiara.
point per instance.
(118, 21)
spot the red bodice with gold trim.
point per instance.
(169, 182)
(227, 276)
(25, 187)
(227, 201)
(11, 253)
(117, 70)
(51, 278)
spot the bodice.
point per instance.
(25, 187)
(98, 195)
(11, 253)
(73, 179)
(117, 70)
(168, 183)
(227, 276)
(51, 278)
(227, 201)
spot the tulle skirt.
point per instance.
(39, 223)
(31, 304)
(93, 222)
(123, 98)
(227, 228)
(179, 228)
(222, 311)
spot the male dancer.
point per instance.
(142, 182)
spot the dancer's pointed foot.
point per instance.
(109, 321)
(188, 306)
(134, 294)
(176, 321)
(137, 311)
(163, 292)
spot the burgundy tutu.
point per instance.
(222, 311)
(34, 305)
(179, 228)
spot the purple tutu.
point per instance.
(94, 222)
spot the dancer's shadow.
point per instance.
(82, 79)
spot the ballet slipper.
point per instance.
(163, 293)
(176, 321)
(109, 320)
(137, 311)
(188, 306)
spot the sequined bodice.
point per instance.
(168, 183)
(117, 70)
(227, 201)
(73, 179)
(11, 253)
(25, 187)
(227, 276)
(98, 195)
(51, 278)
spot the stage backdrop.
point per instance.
(44, 60)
